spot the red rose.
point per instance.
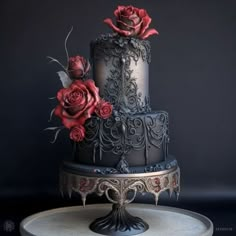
(77, 102)
(78, 67)
(131, 21)
(77, 133)
(104, 109)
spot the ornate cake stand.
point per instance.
(120, 190)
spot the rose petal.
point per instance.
(135, 19)
(134, 30)
(77, 66)
(146, 22)
(130, 20)
(90, 83)
(75, 63)
(93, 89)
(148, 33)
(67, 122)
(58, 110)
(115, 28)
(127, 11)
(141, 13)
(61, 94)
(125, 19)
(118, 10)
(122, 25)
(76, 84)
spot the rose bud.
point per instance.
(78, 67)
(104, 109)
(77, 133)
(131, 21)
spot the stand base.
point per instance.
(75, 221)
(119, 223)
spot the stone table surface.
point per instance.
(75, 221)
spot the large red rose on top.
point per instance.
(78, 67)
(131, 21)
(77, 103)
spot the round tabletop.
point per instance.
(74, 221)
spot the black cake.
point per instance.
(134, 139)
(120, 146)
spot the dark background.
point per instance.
(192, 76)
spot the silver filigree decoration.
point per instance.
(117, 186)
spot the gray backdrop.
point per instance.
(192, 76)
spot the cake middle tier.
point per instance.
(130, 140)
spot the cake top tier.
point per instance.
(121, 71)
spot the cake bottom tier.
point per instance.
(124, 141)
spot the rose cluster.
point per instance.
(131, 21)
(80, 100)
